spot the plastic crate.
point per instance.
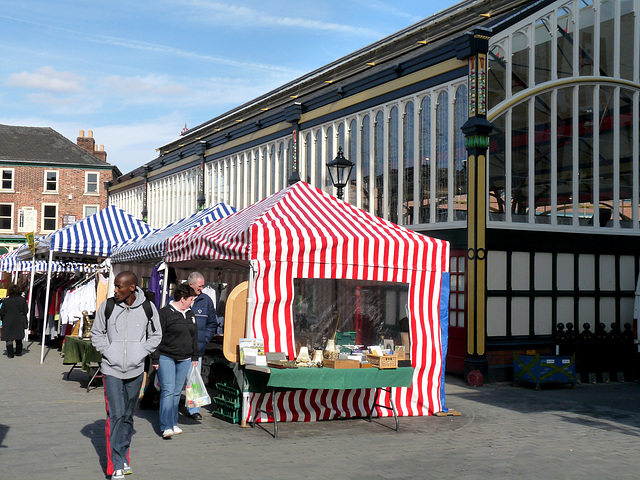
(229, 394)
(229, 411)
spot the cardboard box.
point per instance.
(340, 363)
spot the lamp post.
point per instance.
(340, 171)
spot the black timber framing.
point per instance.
(575, 244)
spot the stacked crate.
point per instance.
(227, 405)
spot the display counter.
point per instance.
(265, 380)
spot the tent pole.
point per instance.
(33, 275)
(46, 305)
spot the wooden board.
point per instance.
(235, 322)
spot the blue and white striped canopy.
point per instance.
(153, 247)
(95, 235)
(10, 263)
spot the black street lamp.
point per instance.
(340, 171)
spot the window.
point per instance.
(51, 181)
(6, 216)
(49, 217)
(91, 182)
(90, 210)
(7, 179)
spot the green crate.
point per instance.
(229, 394)
(345, 338)
(229, 411)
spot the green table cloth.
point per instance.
(327, 378)
(78, 350)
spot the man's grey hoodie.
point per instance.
(126, 339)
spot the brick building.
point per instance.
(47, 181)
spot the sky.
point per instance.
(136, 72)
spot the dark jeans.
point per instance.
(121, 396)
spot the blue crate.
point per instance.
(540, 369)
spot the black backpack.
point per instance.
(111, 303)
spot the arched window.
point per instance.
(378, 165)
(242, 188)
(365, 149)
(460, 155)
(393, 165)
(329, 156)
(519, 63)
(353, 156)
(273, 174)
(442, 156)
(250, 187)
(607, 38)
(288, 170)
(496, 76)
(424, 187)
(586, 51)
(264, 163)
(565, 42)
(307, 156)
(320, 164)
(543, 35)
(408, 164)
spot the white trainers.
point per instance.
(118, 475)
(167, 433)
(127, 469)
(177, 430)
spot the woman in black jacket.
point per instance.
(13, 314)
(175, 355)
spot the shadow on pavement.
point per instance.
(612, 406)
(95, 432)
(3, 433)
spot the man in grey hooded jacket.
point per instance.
(124, 340)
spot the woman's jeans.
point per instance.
(171, 374)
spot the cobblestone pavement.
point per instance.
(51, 428)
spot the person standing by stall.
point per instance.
(207, 320)
(124, 336)
(13, 314)
(175, 355)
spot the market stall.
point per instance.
(307, 251)
(89, 240)
(143, 255)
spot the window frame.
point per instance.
(43, 218)
(51, 192)
(13, 180)
(86, 183)
(84, 209)
(12, 220)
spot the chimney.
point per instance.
(101, 154)
(88, 144)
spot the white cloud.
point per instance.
(389, 9)
(148, 86)
(239, 16)
(47, 78)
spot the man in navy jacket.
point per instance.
(207, 322)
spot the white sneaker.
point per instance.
(127, 469)
(167, 433)
(118, 475)
(177, 430)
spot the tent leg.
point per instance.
(46, 305)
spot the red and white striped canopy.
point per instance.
(302, 232)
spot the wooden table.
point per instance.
(80, 351)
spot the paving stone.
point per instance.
(51, 428)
